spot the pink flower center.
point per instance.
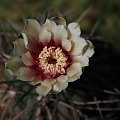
(52, 61)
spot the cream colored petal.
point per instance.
(36, 80)
(25, 74)
(78, 44)
(75, 77)
(31, 44)
(9, 71)
(59, 21)
(43, 90)
(48, 82)
(60, 86)
(8, 74)
(62, 78)
(74, 28)
(14, 64)
(66, 44)
(44, 36)
(50, 25)
(28, 59)
(83, 60)
(32, 28)
(19, 46)
(90, 50)
(60, 32)
(74, 69)
(25, 39)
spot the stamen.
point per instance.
(52, 61)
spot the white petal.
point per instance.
(19, 46)
(25, 74)
(83, 60)
(43, 90)
(36, 80)
(44, 36)
(28, 59)
(66, 44)
(59, 20)
(49, 25)
(48, 82)
(14, 64)
(78, 44)
(32, 28)
(90, 51)
(8, 71)
(8, 74)
(74, 77)
(31, 44)
(25, 39)
(74, 28)
(74, 69)
(60, 86)
(62, 78)
(60, 32)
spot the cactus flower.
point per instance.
(51, 55)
